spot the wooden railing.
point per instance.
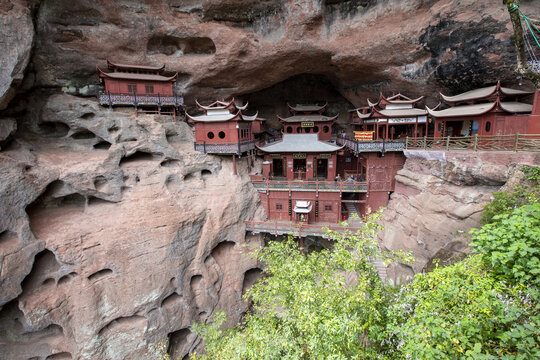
(226, 148)
(516, 142)
(106, 98)
(317, 186)
(299, 229)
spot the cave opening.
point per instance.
(177, 343)
(298, 89)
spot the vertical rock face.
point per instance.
(117, 235)
(437, 202)
(16, 41)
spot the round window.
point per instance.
(315, 129)
(289, 129)
(325, 129)
(488, 126)
(210, 135)
(308, 130)
(221, 135)
(299, 129)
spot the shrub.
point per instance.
(520, 195)
(462, 311)
(511, 245)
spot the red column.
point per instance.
(536, 104)
(234, 164)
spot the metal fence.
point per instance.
(516, 142)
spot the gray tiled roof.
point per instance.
(300, 143)
(300, 118)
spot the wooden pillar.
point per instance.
(377, 129)
(301, 245)
(416, 128)
(234, 164)
(386, 135)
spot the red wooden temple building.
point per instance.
(298, 181)
(391, 118)
(225, 130)
(308, 119)
(493, 110)
(144, 87)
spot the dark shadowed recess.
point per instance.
(177, 343)
(298, 89)
(169, 45)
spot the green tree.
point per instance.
(328, 304)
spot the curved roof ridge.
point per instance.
(145, 67)
(464, 110)
(471, 94)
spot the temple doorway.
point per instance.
(322, 169)
(299, 167)
(277, 167)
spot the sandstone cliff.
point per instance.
(438, 198)
(116, 234)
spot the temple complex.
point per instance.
(224, 129)
(144, 87)
(313, 177)
(492, 110)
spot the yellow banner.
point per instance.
(363, 135)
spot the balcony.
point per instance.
(293, 228)
(357, 146)
(108, 99)
(226, 148)
(264, 186)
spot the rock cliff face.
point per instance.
(116, 235)
(439, 197)
(241, 47)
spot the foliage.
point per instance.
(329, 304)
(462, 311)
(511, 245)
(522, 194)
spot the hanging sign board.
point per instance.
(275, 156)
(299, 156)
(324, 156)
(306, 124)
(363, 135)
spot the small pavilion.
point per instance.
(308, 119)
(492, 110)
(390, 118)
(225, 130)
(144, 87)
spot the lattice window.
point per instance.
(149, 89)
(132, 88)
